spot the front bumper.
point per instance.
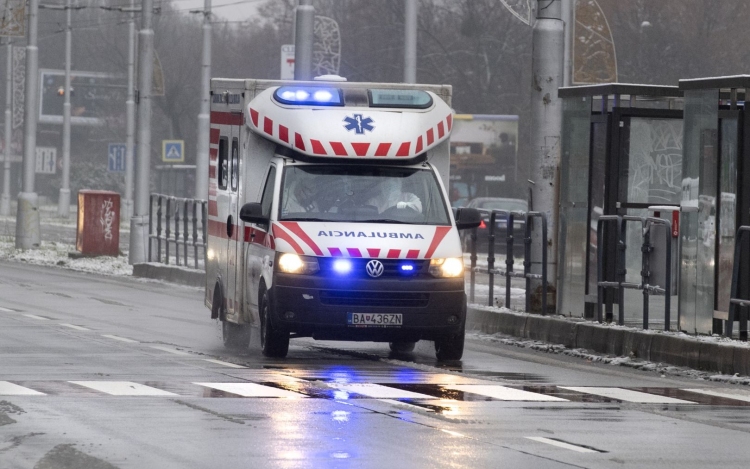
(431, 307)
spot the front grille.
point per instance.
(392, 268)
(374, 298)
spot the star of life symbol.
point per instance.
(358, 124)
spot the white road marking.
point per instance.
(736, 395)
(379, 392)
(627, 395)
(406, 405)
(123, 388)
(452, 433)
(73, 326)
(121, 339)
(10, 389)
(503, 393)
(561, 444)
(164, 348)
(6, 310)
(34, 316)
(252, 390)
(219, 362)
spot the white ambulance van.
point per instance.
(328, 215)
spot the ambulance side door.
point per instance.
(259, 250)
(235, 235)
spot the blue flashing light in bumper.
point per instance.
(308, 96)
(342, 266)
(407, 267)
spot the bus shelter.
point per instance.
(622, 154)
(715, 199)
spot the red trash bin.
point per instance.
(98, 232)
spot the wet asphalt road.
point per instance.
(100, 372)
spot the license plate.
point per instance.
(374, 319)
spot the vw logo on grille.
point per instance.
(374, 268)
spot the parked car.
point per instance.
(486, 205)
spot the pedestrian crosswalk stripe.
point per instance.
(219, 362)
(123, 388)
(561, 444)
(378, 391)
(252, 390)
(627, 395)
(170, 350)
(10, 389)
(737, 395)
(503, 393)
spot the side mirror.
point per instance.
(467, 218)
(253, 213)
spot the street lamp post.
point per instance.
(63, 201)
(303, 40)
(28, 233)
(410, 42)
(204, 124)
(5, 200)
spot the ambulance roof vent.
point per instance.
(329, 78)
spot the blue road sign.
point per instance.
(172, 151)
(116, 158)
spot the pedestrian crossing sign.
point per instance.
(173, 151)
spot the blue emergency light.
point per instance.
(309, 96)
(407, 267)
(342, 266)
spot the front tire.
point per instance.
(274, 343)
(451, 347)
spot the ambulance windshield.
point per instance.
(362, 193)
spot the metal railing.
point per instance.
(177, 230)
(735, 301)
(620, 269)
(509, 273)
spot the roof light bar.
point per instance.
(308, 96)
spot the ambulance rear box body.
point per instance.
(328, 215)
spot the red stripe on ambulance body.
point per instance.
(441, 129)
(383, 149)
(373, 252)
(280, 233)
(440, 232)
(317, 147)
(412, 254)
(254, 116)
(268, 126)
(283, 133)
(450, 122)
(298, 142)
(353, 252)
(430, 137)
(211, 172)
(214, 136)
(213, 153)
(361, 148)
(227, 118)
(338, 148)
(335, 252)
(394, 253)
(213, 208)
(403, 150)
(418, 150)
(300, 233)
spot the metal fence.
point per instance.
(509, 273)
(737, 305)
(177, 231)
(618, 283)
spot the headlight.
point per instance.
(451, 267)
(293, 264)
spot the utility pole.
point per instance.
(63, 200)
(139, 221)
(410, 41)
(569, 18)
(5, 200)
(546, 124)
(204, 124)
(28, 232)
(126, 207)
(303, 40)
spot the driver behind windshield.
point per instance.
(391, 195)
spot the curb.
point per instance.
(613, 340)
(170, 273)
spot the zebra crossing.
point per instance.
(288, 387)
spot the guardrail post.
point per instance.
(528, 220)
(508, 255)
(473, 263)
(544, 262)
(158, 227)
(194, 205)
(167, 231)
(150, 223)
(177, 232)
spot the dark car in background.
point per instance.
(485, 205)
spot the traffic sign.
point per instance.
(172, 151)
(287, 62)
(46, 159)
(116, 162)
